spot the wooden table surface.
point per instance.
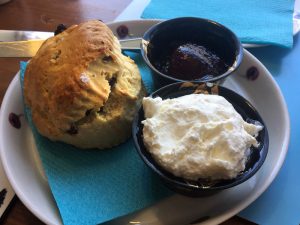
(45, 15)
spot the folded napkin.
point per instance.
(254, 21)
(94, 186)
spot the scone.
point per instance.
(81, 89)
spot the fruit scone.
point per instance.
(81, 89)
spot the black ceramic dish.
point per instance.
(195, 189)
(214, 36)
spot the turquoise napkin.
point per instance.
(254, 21)
(94, 186)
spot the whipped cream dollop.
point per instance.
(198, 136)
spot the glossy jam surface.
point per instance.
(189, 61)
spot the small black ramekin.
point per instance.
(196, 189)
(204, 32)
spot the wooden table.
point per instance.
(45, 16)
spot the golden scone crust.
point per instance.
(81, 89)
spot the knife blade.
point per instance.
(16, 44)
(19, 35)
(29, 48)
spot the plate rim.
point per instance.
(219, 218)
(14, 83)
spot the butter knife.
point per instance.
(27, 43)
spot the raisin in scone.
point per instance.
(81, 89)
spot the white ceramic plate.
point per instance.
(22, 164)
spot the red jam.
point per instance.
(190, 62)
